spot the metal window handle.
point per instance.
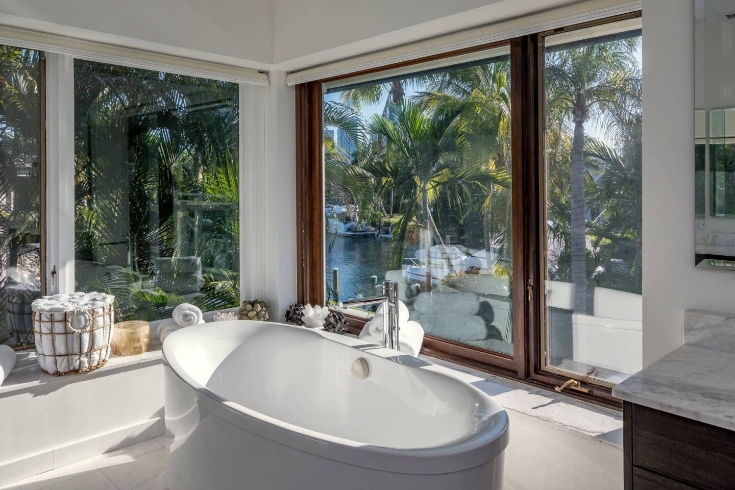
(53, 276)
(572, 384)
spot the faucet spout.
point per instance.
(390, 315)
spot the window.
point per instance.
(418, 191)
(156, 176)
(509, 214)
(593, 203)
(21, 170)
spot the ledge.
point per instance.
(28, 374)
(566, 414)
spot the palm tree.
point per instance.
(484, 92)
(342, 175)
(171, 142)
(373, 93)
(422, 161)
(616, 193)
(585, 83)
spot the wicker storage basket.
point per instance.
(73, 332)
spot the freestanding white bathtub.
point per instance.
(265, 406)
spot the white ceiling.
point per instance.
(286, 34)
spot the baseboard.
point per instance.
(77, 451)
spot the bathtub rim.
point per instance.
(475, 450)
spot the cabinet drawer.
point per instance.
(692, 452)
(645, 480)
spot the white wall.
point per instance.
(279, 180)
(228, 29)
(64, 420)
(562, 460)
(671, 283)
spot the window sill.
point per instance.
(567, 414)
(564, 413)
(28, 374)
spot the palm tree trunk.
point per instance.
(397, 92)
(435, 230)
(578, 219)
(427, 229)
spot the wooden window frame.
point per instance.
(528, 196)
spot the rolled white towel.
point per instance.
(165, 328)
(376, 324)
(186, 315)
(447, 304)
(459, 328)
(7, 361)
(410, 338)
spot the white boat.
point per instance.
(335, 209)
(443, 260)
(350, 228)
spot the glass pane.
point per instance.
(156, 189)
(593, 203)
(418, 191)
(20, 196)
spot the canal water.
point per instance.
(357, 259)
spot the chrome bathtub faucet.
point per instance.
(390, 312)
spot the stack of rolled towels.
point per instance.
(73, 331)
(410, 334)
(7, 361)
(451, 316)
(184, 315)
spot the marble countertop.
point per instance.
(693, 382)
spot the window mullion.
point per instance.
(525, 116)
(60, 173)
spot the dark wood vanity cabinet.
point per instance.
(668, 452)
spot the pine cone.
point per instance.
(335, 322)
(254, 310)
(294, 314)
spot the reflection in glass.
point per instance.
(156, 189)
(722, 161)
(20, 185)
(700, 163)
(593, 203)
(417, 184)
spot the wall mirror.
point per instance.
(714, 149)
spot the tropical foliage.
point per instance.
(156, 189)
(437, 157)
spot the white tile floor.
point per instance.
(137, 467)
